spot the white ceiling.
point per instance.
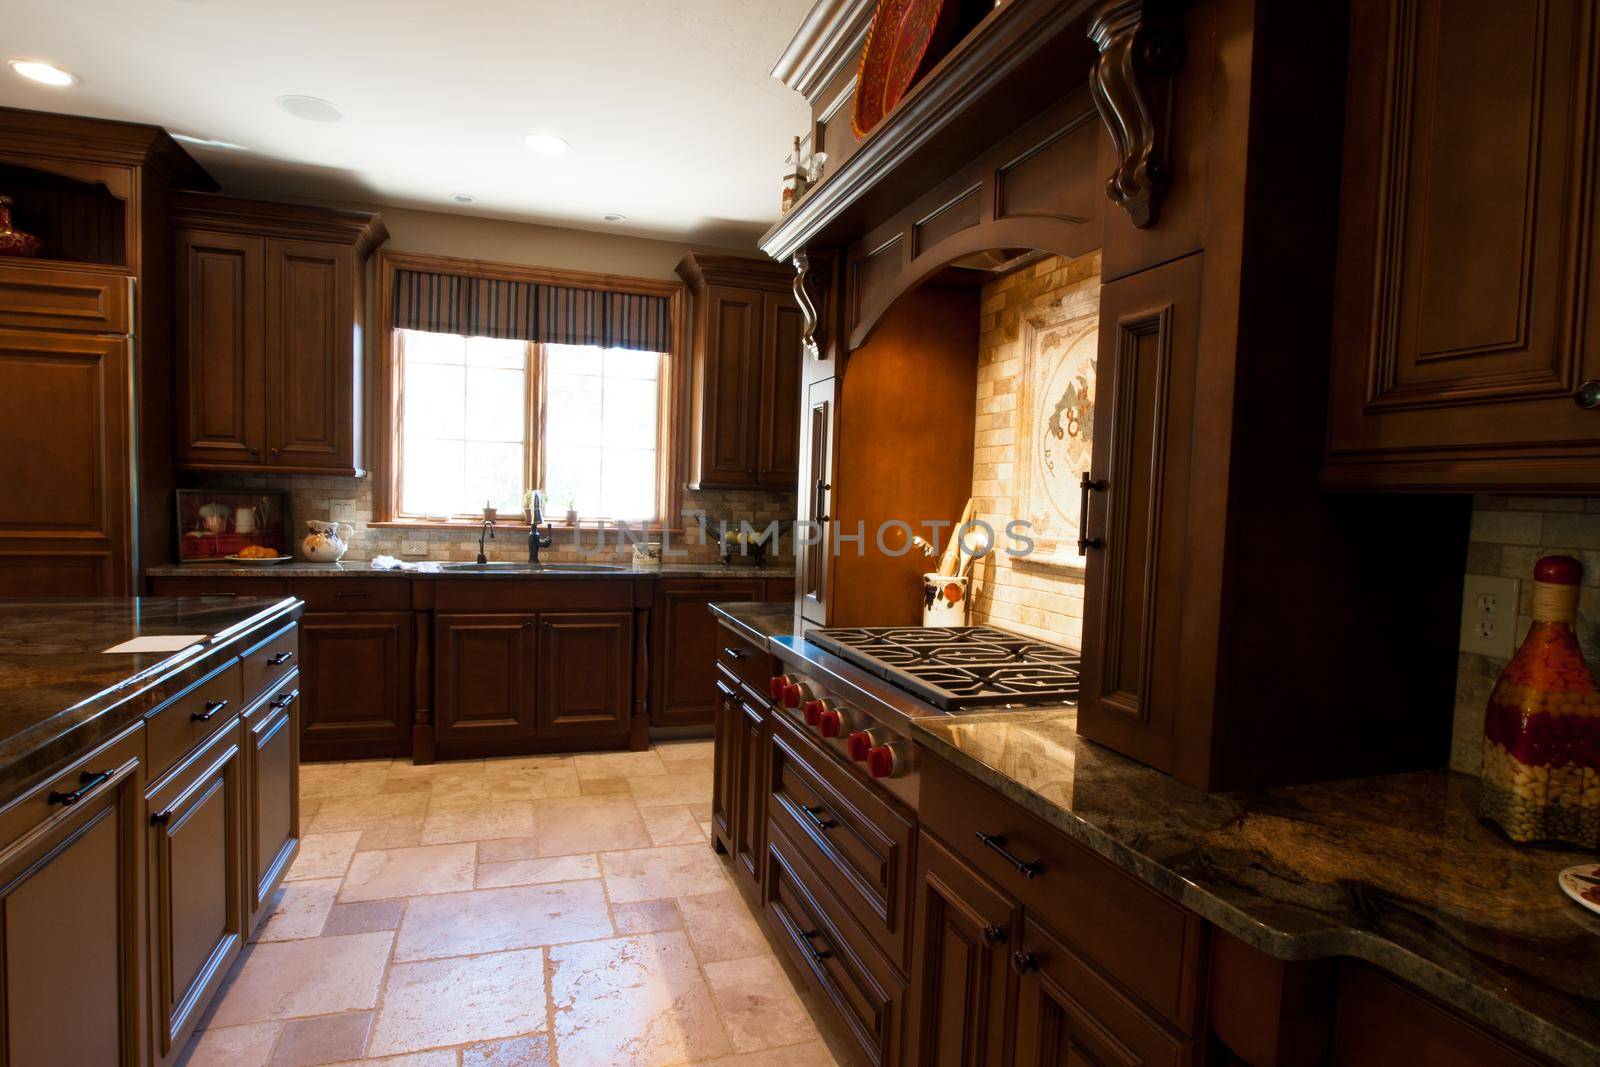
(673, 118)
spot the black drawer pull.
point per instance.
(212, 707)
(994, 935)
(86, 781)
(816, 953)
(997, 842)
(160, 818)
(1024, 962)
(280, 659)
(348, 593)
(283, 700)
(814, 813)
(733, 653)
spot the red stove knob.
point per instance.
(779, 683)
(880, 761)
(831, 723)
(814, 711)
(793, 694)
(860, 744)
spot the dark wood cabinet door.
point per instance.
(585, 674)
(311, 356)
(783, 327)
(1467, 231)
(1067, 1013)
(730, 391)
(355, 684)
(813, 551)
(965, 932)
(72, 915)
(1380, 1022)
(750, 825)
(273, 758)
(725, 765)
(197, 895)
(221, 373)
(485, 667)
(1138, 519)
(65, 512)
(687, 641)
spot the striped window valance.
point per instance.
(530, 311)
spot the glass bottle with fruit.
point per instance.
(1541, 731)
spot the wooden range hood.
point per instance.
(1242, 627)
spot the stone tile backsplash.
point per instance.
(1509, 534)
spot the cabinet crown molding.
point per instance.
(705, 268)
(363, 229)
(830, 36)
(128, 144)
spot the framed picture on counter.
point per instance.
(214, 524)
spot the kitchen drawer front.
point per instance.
(863, 989)
(746, 661)
(1149, 943)
(192, 716)
(353, 594)
(536, 594)
(36, 298)
(202, 585)
(116, 759)
(262, 666)
(861, 845)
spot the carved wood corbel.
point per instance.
(1141, 48)
(811, 283)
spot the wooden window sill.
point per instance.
(469, 525)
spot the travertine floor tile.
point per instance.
(670, 789)
(703, 766)
(324, 1039)
(646, 917)
(364, 917)
(495, 920)
(445, 771)
(234, 1046)
(632, 1000)
(619, 765)
(595, 787)
(405, 872)
(811, 1054)
(758, 1004)
(322, 780)
(450, 825)
(653, 873)
(365, 813)
(672, 825)
(517, 1052)
(721, 927)
(324, 856)
(568, 825)
(461, 1000)
(673, 752)
(286, 979)
(536, 871)
(404, 834)
(436, 1058)
(299, 909)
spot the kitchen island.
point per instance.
(1323, 917)
(151, 810)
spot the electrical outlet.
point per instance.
(1489, 615)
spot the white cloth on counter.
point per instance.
(391, 563)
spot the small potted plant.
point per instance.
(527, 506)
(489, 511)
(571, 500)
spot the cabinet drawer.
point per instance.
(860, 845)
(263, 665)
(746, 661)
(202, 585)
(192, 716)
(116, 758)
(37, 298)
(353, 594)
(1149, 943)
(861, 987)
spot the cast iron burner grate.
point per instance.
(959, 667)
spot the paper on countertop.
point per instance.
(390, 563)
(175, 643)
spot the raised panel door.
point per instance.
(730, 390)
(687, 640)
(355, 684)
(273, 755)
(311, 355)
(221, 369)
(484, 678)
(65, 433)
(1138, 510)
(78, 301)
(783, 328)
(584, 675)
(725, 765)
(750, 825)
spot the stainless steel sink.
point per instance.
(503, 566)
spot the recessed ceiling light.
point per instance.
(206, 142)
(43, 73)
(546, 144)
(310, 108)
(462, 198)
(612, 216)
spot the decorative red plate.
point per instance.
(906, 38)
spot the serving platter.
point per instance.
(266, 560)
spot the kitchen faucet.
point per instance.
(537, 540)
(488, 531)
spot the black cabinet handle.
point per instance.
(350, 594)
(1024, 962)
(1588, 395)
(86, 781)
(212, 707)
(814, 813)
(280, 659)
(818, 512)
(160, 818)
(994, 935)
(1027, 868)
(1087, 485)
(283, 700)
(816, 953)
(732, 653)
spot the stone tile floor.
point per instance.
(489, 913)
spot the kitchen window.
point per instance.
(481, 420)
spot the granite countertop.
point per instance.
(60, 693)
(1395, 870)
(362, 569)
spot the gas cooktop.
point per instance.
(959, 667)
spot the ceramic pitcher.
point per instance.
(327, 542)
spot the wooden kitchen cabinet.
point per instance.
(197, 826)
(1465, 354)
(356, 684)
(745, 375)
(484, 678)
(686, 644)
(739, 793)
(72, 978)
(272, 754)
(270, 316)
(584, 674)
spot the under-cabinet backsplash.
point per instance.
(1510, 533)
(350, 500)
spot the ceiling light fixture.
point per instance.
(614, 216)
(462, 198)
(206, 142)
(310, 108)
(546, 144)
(43, 73)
